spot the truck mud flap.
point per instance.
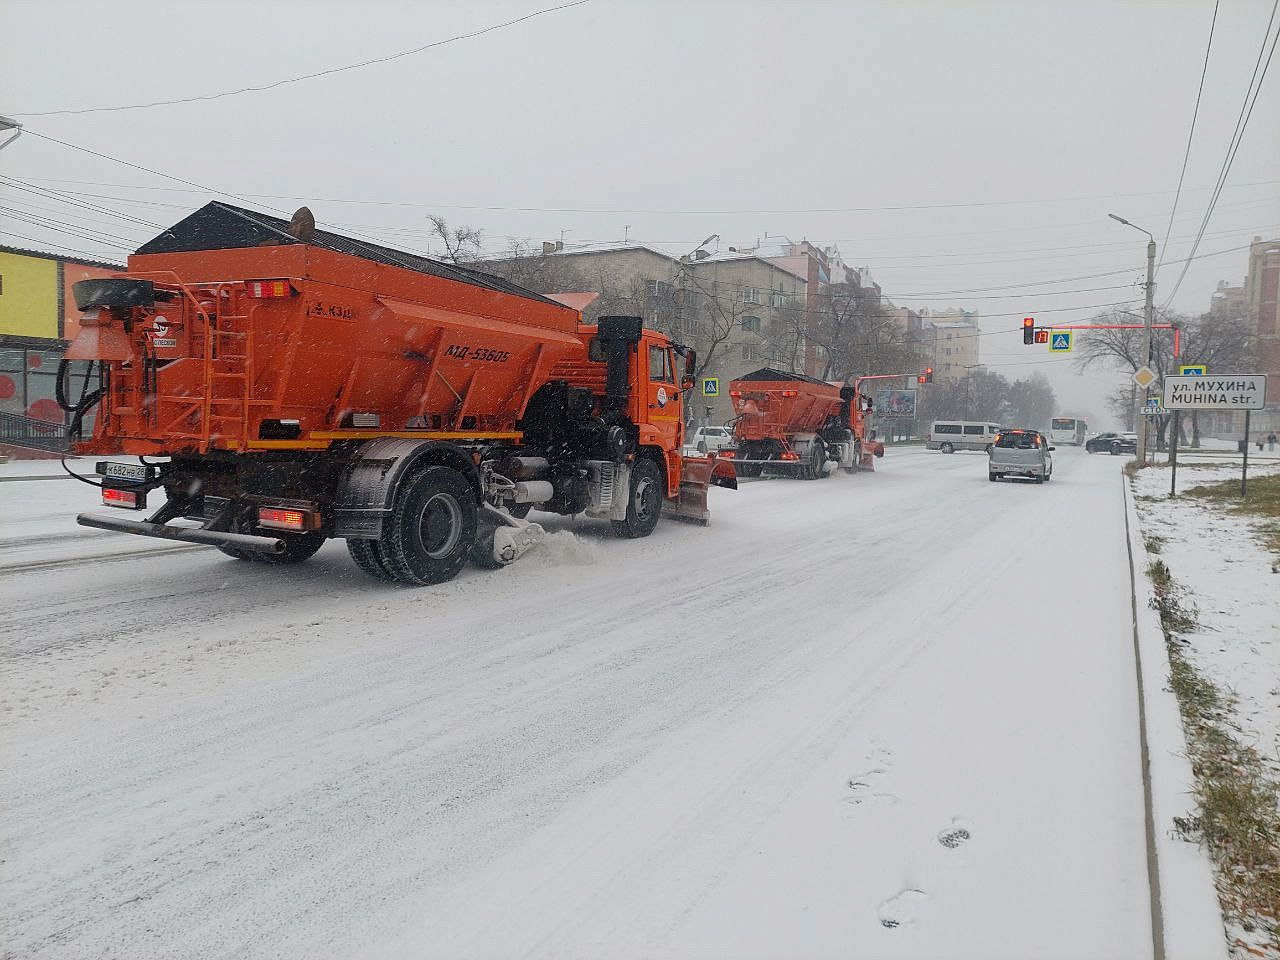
(697, 474)
(212, 538)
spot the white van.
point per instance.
(952, 435)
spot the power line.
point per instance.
(684, 211)
(309, 76)
(499, 252)
(46, 243)
(1187, 154)
(50, 223)
(1242, 123)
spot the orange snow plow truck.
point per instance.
(793, 423)
(301, 385)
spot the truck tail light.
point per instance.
(791, 393)
(788, 455)
(269, 289)
(727, 454)
(129, 499)
(735, 393)
(286, 518)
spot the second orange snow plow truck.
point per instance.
(304, 385)
(792, 422)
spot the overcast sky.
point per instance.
(956, 146)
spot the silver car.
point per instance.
(1020, 453)
(710, 439)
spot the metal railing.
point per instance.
(21, 431)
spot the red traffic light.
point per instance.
(920, 379)
(1028, 330)
(928, 374)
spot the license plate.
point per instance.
(136, 472)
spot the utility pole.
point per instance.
(1140, 425)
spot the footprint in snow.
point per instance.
(902, 909)
(862, 786)
(957, 834)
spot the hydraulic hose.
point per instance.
(79, 408)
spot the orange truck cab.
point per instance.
(303, 385)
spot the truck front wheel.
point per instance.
(428, 535)
(644, 503)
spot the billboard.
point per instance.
(28, 296)
(895, 404)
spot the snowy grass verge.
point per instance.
(1213, 590)
(1185, 907)
(1238, 803)
(1261, 499)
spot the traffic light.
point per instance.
(1042, 336)
(1028, 330)
(928, 374)
(920, 379)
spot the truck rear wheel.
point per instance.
(644, 502)
(428, 534)
(368, 557)
(815, 468)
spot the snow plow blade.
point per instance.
(212, 538)
(696, 476)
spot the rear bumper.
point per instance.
(213, 538)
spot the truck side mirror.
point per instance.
(690, 364)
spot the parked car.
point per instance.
(1113, 443)
(709, 439)
(1020, 453)
(952, 435)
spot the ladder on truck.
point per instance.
(226, 358)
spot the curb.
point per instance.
(1186, 918)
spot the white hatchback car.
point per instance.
(709, 439)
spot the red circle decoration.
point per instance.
(45, 409)
(7, 387)
(34, 360)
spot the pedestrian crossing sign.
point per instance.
(711, 386)
(1060, 341)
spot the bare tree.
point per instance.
(715, 314)
(461, 244)
(857, 336)
(1222, 344)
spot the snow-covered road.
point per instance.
(888, 715)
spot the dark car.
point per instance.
(1113, 443)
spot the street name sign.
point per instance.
(1240, 392)
(1144, 376)
(1193, 370)
(1060, 341)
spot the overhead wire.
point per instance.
(259, 88)
(1190, 135)
(1237, 137)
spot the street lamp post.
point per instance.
(1148, 318)
(8, 124)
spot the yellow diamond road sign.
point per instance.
(1144, 377)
